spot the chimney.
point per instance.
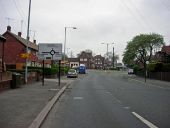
(19, 34)
(34, 41)
(8, 28)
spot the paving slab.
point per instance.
(19, 107)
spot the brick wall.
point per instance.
(12, 50)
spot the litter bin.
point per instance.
(16, 80)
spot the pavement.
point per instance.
(28, 105)
(150, 82)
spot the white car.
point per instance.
(72, 73)
(130, 71)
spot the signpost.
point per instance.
(52, 51)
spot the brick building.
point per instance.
(99, 62)
(73, 62)
(14, 47)
(163, 55)
(86, 58)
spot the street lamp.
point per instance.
(107, 49)
(65, 31)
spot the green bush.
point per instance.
(47, 71)
(23, 70)
(136, 68)
(50, 71)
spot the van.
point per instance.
(82, 69)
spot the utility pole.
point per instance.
(28, 27)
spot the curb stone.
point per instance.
(43, 114)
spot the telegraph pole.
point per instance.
(28, 27)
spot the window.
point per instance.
(85, 59)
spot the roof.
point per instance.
(23, 41)
(3, 39)
(85, 54)
(98, 56)
(166, 49)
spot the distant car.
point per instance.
(72, 73)
(130, 71)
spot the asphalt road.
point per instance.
(111, 100)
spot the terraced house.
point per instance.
(15, 48)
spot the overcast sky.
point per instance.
(97, 21)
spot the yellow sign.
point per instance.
(25, 55)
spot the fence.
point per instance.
(164, 76)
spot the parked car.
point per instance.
(130, 71)
(72, 73)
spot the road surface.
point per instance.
(111, 99)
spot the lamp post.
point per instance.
(26, 61)
(65, 33)
(107, 44)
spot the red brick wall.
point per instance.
(12, 50)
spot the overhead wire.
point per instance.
(20, 12)
(133, 14)
(141, 16)
(165, 5)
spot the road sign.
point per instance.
(25, 55)
(52, 51)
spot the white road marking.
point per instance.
(53, 89)
(126, 107)
(77, 98)
(109, 93)
(149, 124)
